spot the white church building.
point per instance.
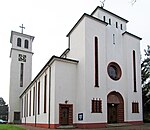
(96, 80)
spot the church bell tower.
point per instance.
(20, 71)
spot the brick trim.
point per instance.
(90, 125)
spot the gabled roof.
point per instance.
(83, 16)
(132, 35)
(109, 13)
(65, 52)
(52, 59)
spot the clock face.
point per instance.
(22, 57)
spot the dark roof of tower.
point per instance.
(101, 8)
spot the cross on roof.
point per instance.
(22, 27)
(102, 3)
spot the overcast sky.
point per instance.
(50, 21)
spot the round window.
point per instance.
(114, 71)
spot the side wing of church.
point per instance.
(96, 81)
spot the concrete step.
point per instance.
(118, 124)
(66, 127)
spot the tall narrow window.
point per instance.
(109, 21)
(30, 105)
(104, 18)
(121, 27)
(26, 44)
(21, 75)
(113, 38)
(116, 24)
(45, 88)
(19, 42)
(134, 71)
(39, 97)
(22, 107)
(27, 106)
(96, 62)
(33, 100)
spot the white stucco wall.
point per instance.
(74, 81)
(100, 13)
(133, 44)
(94, 29)
(15, 89)
(77, 47)
(64, 89)
(117, 49)
(41, 118)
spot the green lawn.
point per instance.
(10, 127)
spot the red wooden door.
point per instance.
(64, 116)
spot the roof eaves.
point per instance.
(14, 32)
(47, 65)
(131, 35)
(65, 52)
(109, 13)
(85, 15)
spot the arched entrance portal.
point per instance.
(115, 108)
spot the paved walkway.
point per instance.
(145, 126)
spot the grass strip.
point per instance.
(10, 127)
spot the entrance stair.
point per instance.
(66, 127)
(118, 124)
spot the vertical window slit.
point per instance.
(104, 18)
(113, 38)
(22, 107)
(121, 27)
(109, 21)
(39, 97)
(134, 71)
(21, 74)
(30, 105)
(96, 62)
(116, 24)
(27, 106)
(45, 91)
(33, 100)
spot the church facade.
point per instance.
(96, 81)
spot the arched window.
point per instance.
(19, 42)
(26, 44)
